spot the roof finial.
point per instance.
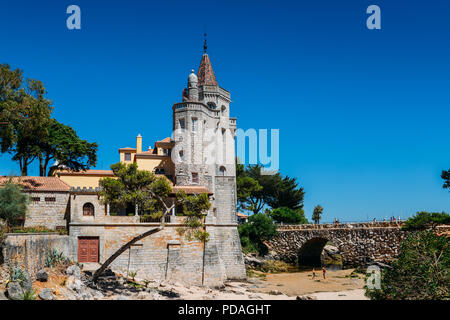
(205, 45)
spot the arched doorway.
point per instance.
(319, 252)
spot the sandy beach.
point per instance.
(337, 286)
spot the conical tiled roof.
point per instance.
(205, 73)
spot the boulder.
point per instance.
(97, 294)
(46, 294)
(14, 291)
(275, 292)
(74, 284)
(331, 249)
(74, 270)
(305, 298)
(331, 257)
(42, 276)
(253, 261)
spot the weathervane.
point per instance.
(205, 45)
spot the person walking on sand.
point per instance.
(324, 271)
(314, 274)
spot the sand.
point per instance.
(336, 286)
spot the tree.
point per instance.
(317, 214)
(140, 188)
(257, 190)
(150, 192)
(13, 203)
(250, 193)
(248, 190)
(287, 215)
(26, 112)
(424, 220)
(64, 145)
(446, 176)
(259, 228)
(420, 271)
(286, 194)
(28, 132)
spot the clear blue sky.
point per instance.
(363, 114)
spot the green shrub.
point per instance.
(287, 215)
(132, 275)
(29, 295)
(424, 220)
(19, 275)
(248, 246)
(201, 235)
(259, 228)
(54, 258)
(421, 271)
(13, 203)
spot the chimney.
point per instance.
(139, 144)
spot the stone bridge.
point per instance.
(358, 243)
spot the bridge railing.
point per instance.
(371, 224)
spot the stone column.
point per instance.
(107, 209)
(136, 209)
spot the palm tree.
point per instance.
(317, 214)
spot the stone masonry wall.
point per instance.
(230, 251)
(164, 255)
(50, 214)
(29, 251)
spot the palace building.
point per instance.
(199, 158)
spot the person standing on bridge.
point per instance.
(314, 274)
(324, 271)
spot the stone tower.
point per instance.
(204, 155)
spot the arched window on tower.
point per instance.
(88, 209)
(223, 109)
(222, 170)
(211, 105)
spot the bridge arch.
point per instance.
(312, 253)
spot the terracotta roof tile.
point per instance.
(38, 183)
(191, 189)
(166, 140)
(205, 73)
(241, 215)
(87, 173)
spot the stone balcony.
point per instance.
(132, 219)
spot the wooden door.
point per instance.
(88, 249)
